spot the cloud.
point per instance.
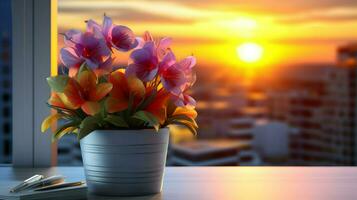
(339, 14)
(313, 41)
(130, 14)
(268, 5)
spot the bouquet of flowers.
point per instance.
(150, 92)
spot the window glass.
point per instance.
(269, 88)
(5, 83)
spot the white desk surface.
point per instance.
(231, 183)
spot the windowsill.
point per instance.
(230, 182)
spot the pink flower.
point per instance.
(186, 66)
(172, 78)
(117, 36)
(144, 63)
(83, 47)
(162, 46)
(188, 78)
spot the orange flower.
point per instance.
(158, 106)
(123, 89)
(83, 92)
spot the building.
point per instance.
(271, 141)
(345, 90)
(208, 153)
(5, 82)
(316, 101)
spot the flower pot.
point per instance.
(125, 162)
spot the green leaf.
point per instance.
(64, 129)
(82, 68)
(102, 79)
(88, 125)
(187, 124)
(58, 83)
(116, 120)
(148, 118)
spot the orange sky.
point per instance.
(289, 31)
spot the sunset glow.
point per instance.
(250, 52)
(287, 32)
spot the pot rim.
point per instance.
(144, 129)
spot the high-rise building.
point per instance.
(345, 90)
(317, 101)
(5, 82)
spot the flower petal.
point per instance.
(136, 86)
(168, 60)
(70, 58)
(101, 91)
(72, 95)
(72, 37)
(107, 26)
(158, 106)
(50, 120)
(148, 37)
(55, 100)
(123, 38)
(120, 88)
(185, 111)
(91, 107)
(105, 68)
(163, 46)
(172, 78)
(116, 105)
(72, 72)
(87, 80)
(187, 63)
(141, 71)
(93, 26)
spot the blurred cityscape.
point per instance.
(306, 115)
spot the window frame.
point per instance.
(34, 57)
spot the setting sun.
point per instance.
(250, 52)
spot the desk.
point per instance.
(231, 183)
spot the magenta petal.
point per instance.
(187, 63)
(178, 100)
(106, 67)
(72, 37)
(91, 64)
(89, 41)
(182, 100)
(142, 72)
(93, 26)
(123, 38)
(107, 64)
(168, 60)
(141, 43)
(145, 56)
(163, 46)
(189, 101)
(172, 78)
(107, 26)
(70, 58)
(93, 49)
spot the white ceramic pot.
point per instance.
(125, 162)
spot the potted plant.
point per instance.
(121, 115)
